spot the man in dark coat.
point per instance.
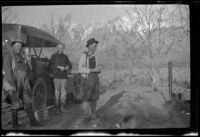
(60, 66)
(16, 83)
(89, 69)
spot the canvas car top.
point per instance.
(31, 36)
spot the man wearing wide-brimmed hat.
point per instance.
(89, 69)
(16, 83)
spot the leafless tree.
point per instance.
(131, 50)
(149, 21)
(185, 25)
(8, 16)
(185, 18)
(111, 52)
(59, 28)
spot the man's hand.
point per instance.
(67, 67)
(99, 68)
(95, 70)
(61, 68)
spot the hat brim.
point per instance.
(23, 44)
(92, 42)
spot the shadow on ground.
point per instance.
(125, 109)
(112, 101)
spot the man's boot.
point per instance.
(15, 124)
(87, 111)
(21, 105)
(15, 106)
(30, 113)
(58, 106)
(93, 111)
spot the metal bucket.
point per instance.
(42, 115)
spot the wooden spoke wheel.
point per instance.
(40, 94)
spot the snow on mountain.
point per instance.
(120, 23)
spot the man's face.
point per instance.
(17, 47)
(93, 47)
(60, 49)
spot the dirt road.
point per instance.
(125, 107)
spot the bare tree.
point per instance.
(149, 21)
(112, 52)
(185, 25)
(131, 50)
(115, 45)
(60, 28)
(185, 18)
(8, 16)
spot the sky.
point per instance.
(84, 14)
(81, 14)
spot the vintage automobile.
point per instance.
(36, 41)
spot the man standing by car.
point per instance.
(16, 83)
(89, 69)
(60, 66)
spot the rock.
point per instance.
(94, 125)
(131, 124)
(117, 125)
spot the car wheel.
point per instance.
(40, 94)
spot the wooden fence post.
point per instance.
(170, 79)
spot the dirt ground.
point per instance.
(127, 107)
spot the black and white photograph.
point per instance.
(89, 67)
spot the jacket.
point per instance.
(59, 60)
(85, 64)
(12, 63)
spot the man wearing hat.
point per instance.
(88, 68)
(16, 83)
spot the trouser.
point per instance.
(21, 97)
(30, 114)
(21, 92)
(15, 123)
(27, 107)
(60, 91)
(12, 93)
(90, 108)
(90, 87)
(23, 88)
